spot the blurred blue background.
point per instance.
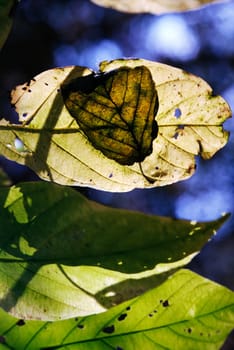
(54, 33)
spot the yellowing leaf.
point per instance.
(116, 111)
(189, 122)
(153, 6)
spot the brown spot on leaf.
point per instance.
(122, 317)
(165, 303)
(80, 326)
(20, 323)
(109, 329)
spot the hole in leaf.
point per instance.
(19, 145)
(110, 294)
(177, 113)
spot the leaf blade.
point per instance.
(187, 310)
(53, 138)
(54, 257)
(153, 6)
(118, 116)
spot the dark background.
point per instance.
(47, 34)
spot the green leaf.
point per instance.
(185, 312)
(116, 111)
(63, 255)
(153, 6)
(189, 123)
(5, 19)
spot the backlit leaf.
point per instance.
(185, 312)
(116, 111)
(153, 6)
(63, 255)
(189, 122)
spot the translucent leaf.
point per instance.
(189, 122)
(185, 312)
(153, 6)
(116, 111)
(63, 255)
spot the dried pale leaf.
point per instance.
(189, 122)
(153, 6)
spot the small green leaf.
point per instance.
(58, 259)
(116, 111)
(153, 6)
(185, 312)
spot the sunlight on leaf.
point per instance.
(185, 312)
(189, 122)
(57, 256)
(153, 6)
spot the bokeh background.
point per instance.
(51, 33)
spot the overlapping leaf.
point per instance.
(186, 312)
(57, 257)
(189, 120)
(116, 111)
(153, 6)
